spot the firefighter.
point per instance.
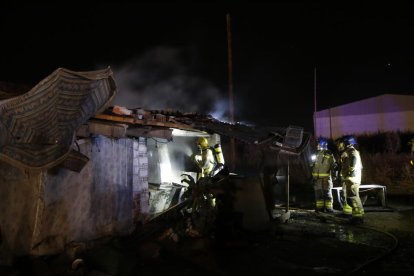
(205, 160)
(412, 146)
(350, 174)
(412, 151)
(323, 169)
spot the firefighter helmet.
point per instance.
(202, 142)
(322, 143)
(349, 140)
(345, 141)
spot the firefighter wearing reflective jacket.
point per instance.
(210, 160)
(205, 159)
(323, 169)
(350, 174)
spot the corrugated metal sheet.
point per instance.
(37, 128)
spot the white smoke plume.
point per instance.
(166, 78)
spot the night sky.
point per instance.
(169, 55)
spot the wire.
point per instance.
(370, 261)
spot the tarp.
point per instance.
(38, 128)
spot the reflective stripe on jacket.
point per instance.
(351, 165)
(323, 165)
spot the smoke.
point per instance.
(167, 78)
(220, 110)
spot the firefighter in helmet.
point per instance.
(350, 174)
(205, 159)
(323, 169)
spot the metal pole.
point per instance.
(314, 102)
(230, 68)
(230, 79)
(330, 123)
(287, 187)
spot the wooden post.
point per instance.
(230, 83)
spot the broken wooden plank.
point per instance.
(136, 121)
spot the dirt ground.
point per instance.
(307, 242)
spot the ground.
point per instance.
(307, 243)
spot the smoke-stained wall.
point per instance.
(43, 211)
(21, 194)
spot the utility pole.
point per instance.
(230, 68)
(314, 102)
(230, 79)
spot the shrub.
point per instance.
(386, 161)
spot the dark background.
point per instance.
(174, 54)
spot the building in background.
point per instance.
(387, 112)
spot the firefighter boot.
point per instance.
(346, 209)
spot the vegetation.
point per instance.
(388, 161)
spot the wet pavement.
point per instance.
(310, 243)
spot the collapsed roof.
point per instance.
(38, 128)
(291, 140)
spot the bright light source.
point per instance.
(164, 164)
(166, 173)
(313, 157)
(188, 133)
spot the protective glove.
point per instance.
(196, 158)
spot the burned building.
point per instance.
(74, 169)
